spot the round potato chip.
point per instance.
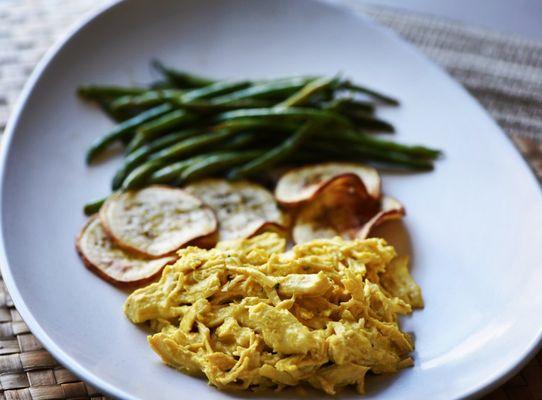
(343, 209)
(110, 262)
(157, 220)
(390, 209)
(242, 208)
(302, 184)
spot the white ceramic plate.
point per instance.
(474, 225)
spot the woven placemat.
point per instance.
(504, 73)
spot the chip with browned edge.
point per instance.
(344, 208)
(303, 184)
(112, 263)
(242, 208)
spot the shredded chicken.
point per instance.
(247, 315)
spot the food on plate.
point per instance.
(231, 303)
(247, 315)
(390, 209)
(335, 199)
(343, 208)
(92, 207)
(399, 283)
(179, 130)
(156, 221)
(303, 184)
(112, 263)
(323, 200)
(242, 208)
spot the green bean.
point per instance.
(171, 148)
(350, 106)
(115, 115)
(257, 123)
(149, 98)
(369, 123)
(135, 158)
(154, 128)
(179, 78)
(94, 206)
(277, 154)
(286, 79)
(209, 107)
(312, 88)
(360, 114)
(125, 129)
(324, 96)
(189, 146)
(362, 89)
(246, 127)
(215, 163)
(386, 145)
(175, 96)
(264, 90)
(96, 93)
(302, 113)
(172, 171)
(215, 89)
(354, 152)
(139, 176)
(241, 140)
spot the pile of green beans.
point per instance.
(185, 127)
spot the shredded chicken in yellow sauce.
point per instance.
(249, 315)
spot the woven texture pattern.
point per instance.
(503, 73)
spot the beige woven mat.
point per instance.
(504, 73)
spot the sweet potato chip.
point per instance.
(303, 184)
(157, 220)
(243, 209)
(344, 208)
(110, 262)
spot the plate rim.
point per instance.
(34, 326)
(71, 33)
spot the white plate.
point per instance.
(474, 224)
